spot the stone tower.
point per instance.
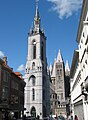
(59, 76)
(37, 80)
(58, 104)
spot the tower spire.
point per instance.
(37, 21)
(59, 57)
(36, 18)
(36, 8)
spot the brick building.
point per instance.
(11, 91)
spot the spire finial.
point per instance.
(37, 4)
(36, 18)
(37, 7)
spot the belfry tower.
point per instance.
(37, 101)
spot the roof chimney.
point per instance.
(5, 60)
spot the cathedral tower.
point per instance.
(36, 77)
(58, 77)
(58, 103)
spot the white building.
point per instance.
(37, 91)
(79, 68)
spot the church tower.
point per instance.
(37, 80)
(58, 77)
(58, 103)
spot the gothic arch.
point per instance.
(33, 79)
(33, 111)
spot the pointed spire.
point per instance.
(50, 68)
(37, 12)
(59, 57)
(67, 69)
(37, 18)
(36, 29)
(54, 69)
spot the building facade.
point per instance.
(59, 86)
(79, 68)
(11, 92)
(37, 91)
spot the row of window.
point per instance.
(58, 66)
(55, 103)
(34, 67)
(59, 72)
(54, 96)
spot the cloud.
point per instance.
(20, 68)
(1, 54)
(65, 8)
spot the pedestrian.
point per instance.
(69, 117)
(76, 118)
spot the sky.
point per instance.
(59, 19)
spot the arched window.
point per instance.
(33, 94)
(32, 78)
(33, 112)
(34, 49)
(42, 51)
(33, 65)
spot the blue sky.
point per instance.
(59, 19)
